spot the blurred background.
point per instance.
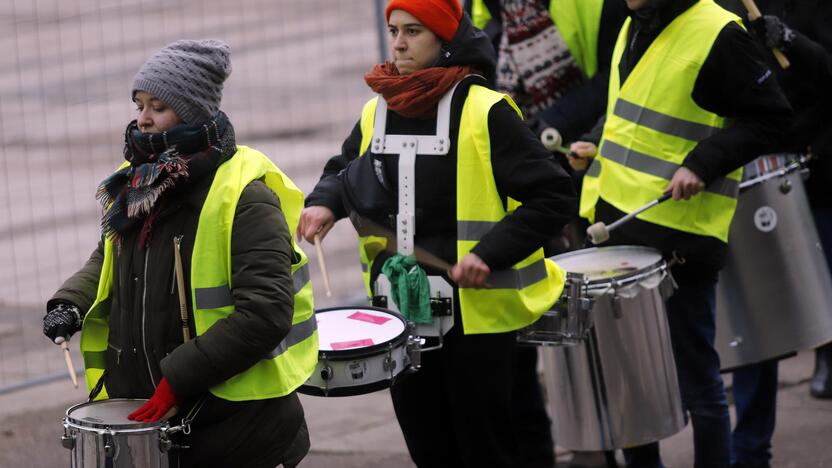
(66, 71)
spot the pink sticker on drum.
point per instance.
(351, 344)
(369, 318)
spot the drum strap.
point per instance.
(186, 421)
(97, 388)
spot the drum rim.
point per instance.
(625, 278)
(119, 428)
(369, 351)
(350, 390)
(793, 165)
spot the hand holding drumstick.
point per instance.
(314, 224)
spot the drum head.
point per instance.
(107, 414)
(351, 329)
(602, 264)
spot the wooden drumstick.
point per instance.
(68, 359)
(180, 284)
(322, 263)
(754, 13)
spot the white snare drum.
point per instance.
(360, 350)
(441, 304)
(618, 388)
(568, 322)
(100, 436)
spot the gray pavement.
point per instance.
(362, 431)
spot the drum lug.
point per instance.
(389, 364)
(616, 301)
(109, 445)
(414, 352)
(68, 441)
(616, 306)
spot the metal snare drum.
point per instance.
(360, 350)
(99, 435)
(775, 292)
(569, 320)
(619, 387)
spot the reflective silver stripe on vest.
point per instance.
(660, 168)
(664, 123)
(213, 298)
(299, 332)
(220, 296)
(594, 169)
(473, 230)
(300, 278)
(518, 279)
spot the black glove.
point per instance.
(63, 319)
(772, 32)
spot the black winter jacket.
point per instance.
(522, 168)
(807, 84)
(146, 343)
(735, 83)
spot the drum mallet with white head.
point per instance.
(552, 141)
(599, 232)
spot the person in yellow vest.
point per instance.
(486, 207)
(553, 59)
(690, 102)
(230, 212)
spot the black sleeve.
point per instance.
(812, 60)
(734, 82)
(525, 171)
(327, 192)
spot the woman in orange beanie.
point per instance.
(474, 158)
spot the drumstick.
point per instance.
(180, 284)
(366, 227)
(754, 13)
(599, 232)
(322, 263)
(59, 340)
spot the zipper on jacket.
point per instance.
(144, 317)
(118, 353)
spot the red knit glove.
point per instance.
(160, 403)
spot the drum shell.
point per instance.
(141, 447)
(775, 293)
(618, 388)
(362, 370)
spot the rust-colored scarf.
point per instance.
(417, 94)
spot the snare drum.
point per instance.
(773, 296)
(569, 320)
(618, 388)
(360, 350)
(99, 435)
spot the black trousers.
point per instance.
(457, 410)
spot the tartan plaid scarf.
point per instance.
(158, 162)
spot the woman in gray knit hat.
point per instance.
(220, 339)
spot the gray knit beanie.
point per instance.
(188, 76)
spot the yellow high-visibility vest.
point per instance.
(294, 359)
(517, 296)
(653, 123)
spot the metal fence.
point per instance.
(65, 73)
